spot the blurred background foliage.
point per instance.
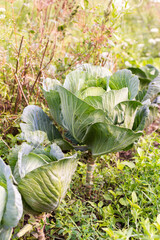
(48, 38)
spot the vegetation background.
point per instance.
(48, 39)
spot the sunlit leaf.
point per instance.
(45, 187)
(125, 78)
(35, 119)
(11, 214)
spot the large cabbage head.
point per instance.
(97, 109)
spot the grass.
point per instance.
(125, 199)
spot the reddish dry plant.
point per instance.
(49, 39)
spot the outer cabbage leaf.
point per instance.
(77, 114)
(31, 162)
(74, 81)
(129, 109)
(143, 77)
(150, 71)
(50, 84)
(39, 128)
(94, 101)
(30, 159)
(141, 95)
(94, 71)
(125, 78)
(35, 138)
(145, 74)
(141, 118)
(46, 186)
(56, 151)
(35, 119)
(139, 72)
(13, 156)
(111, 99)
(5, 234)
(153, 109)
(13, 205)
(54, 104)
(104, 138)
(3, 198)
(25, 149)
(153, 89)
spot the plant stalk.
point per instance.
(40, 228)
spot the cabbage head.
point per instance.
(97, 109)
(43, 176)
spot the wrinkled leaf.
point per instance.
(50, 84)
(103, 138)
(81, 115)
(45, 187)
(25, 149)
(153, 113)
(35, 119)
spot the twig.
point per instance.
(49, 61)
(40, 71)
(107, 11)
(20, 46)
(21, 90)
(18, 99)
(17, 64)
(5, 142)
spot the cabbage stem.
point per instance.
(40, 229)
(89, 174)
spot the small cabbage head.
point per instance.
(43, 176)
